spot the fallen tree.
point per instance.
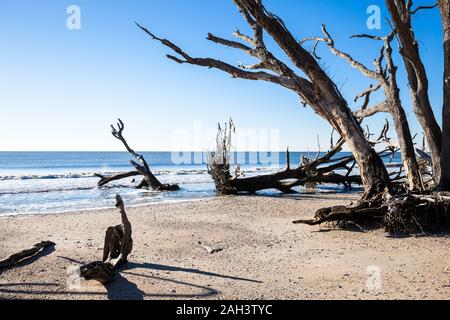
(387, 80)
(307, 173)
(142, 168)
(118, 245)
(317, 90)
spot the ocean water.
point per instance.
(44, 182)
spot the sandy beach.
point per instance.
(264, 255)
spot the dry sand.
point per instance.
(264, 256)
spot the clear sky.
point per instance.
(60, 89)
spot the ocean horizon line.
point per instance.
(157, 151)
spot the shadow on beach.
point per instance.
(122, 288)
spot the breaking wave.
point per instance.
(85, 175)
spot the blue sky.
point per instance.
(60, 89)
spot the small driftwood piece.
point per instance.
(142, 167)
(14, 259)
(311, 172)
(209, 249)
(118, 245)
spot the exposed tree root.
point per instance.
(310, 173)
(406, 213)
(418, 213)
(117, 247)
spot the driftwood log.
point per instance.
(142, 168)
(14, 259)
(118, 245)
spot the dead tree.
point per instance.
(311, 171)
(387, 80)
(142, 168)
(316, 89)
(409, 212)
(118, 245)
(401, 13)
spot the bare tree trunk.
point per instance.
(418, 81)
(373, 172)
(325, 98)
(444, 184)
(407, 148)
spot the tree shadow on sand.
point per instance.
(160, 267)
(122, 288)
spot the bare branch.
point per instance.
(244, 37)
(423, 8)
(355, 64)
(366, 94)
(119, 176)
(217, 64)
(368, 36)
(14, 259)
(316, 40)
